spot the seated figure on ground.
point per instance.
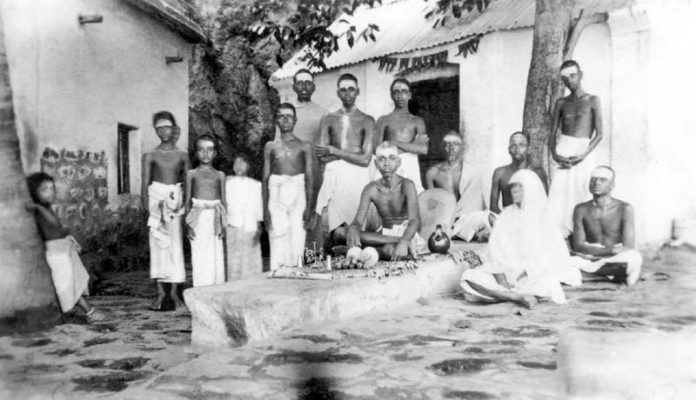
(396, 202)
(471, 218)
(529, 258)
(603, 238)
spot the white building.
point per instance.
(639, 62)
(87, 75)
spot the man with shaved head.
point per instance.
(397, 205)
(603, 234)
(579, 117)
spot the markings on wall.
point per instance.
(81, 187)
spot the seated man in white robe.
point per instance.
(529, 258)
(471, 219)
(603, 235)
(396, 202)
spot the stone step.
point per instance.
(256, 308)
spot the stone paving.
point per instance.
(441, 348)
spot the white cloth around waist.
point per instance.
(244, 202)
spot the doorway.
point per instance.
(437, 102)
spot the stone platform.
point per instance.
(257, 308)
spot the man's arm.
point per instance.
(419, 144)
(627, 225)
(267, 150)
(309, 183)
(353, 235)
(223, 189)
(430, 177)
(409, 190)
(190, 234)
(495, 192)
(596, 110)
(48, 221)
(323, 142)
(145, 181)
(580, 244)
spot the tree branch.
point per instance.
(577, 25)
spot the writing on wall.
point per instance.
(81, 189)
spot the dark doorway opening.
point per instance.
(437, 102)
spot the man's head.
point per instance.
(348, 89)
(303, 85)
(42, 188)
(387, 159)
(206, 149)
(453, 144)
(518, 145)
(286, 117)
(165, 126)
(571, 75)
(602, 180)
(241, 164)
(400, 92)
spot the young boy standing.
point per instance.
(288, 185)
(163, 171)
(244, 216)
(62, 250)
(206, 219)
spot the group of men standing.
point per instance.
(344, 176)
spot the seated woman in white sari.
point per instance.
(529, 258)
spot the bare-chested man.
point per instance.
(519, 143)
(470, 219)
(580, 118)
(307, 128)
(288, 186)
(163, 171)
(345, 145)
(603, 235)
(397, 204)
(406, 131)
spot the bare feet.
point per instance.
(178, 303)
(95, 316)
(157, 304)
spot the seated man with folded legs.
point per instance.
(471, 219)
(397, 205)
(529, 257)
(603, 235)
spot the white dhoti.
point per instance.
(409, 168)
(286, 205)
(418, 245)
(340, 192)
(166, 239)
(69, 275)
(471, 217)
(524, 286)
(570, 187)
(207, 219)
(632, 258)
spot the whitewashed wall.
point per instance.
(73, 84)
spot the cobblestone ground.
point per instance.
(433, 349)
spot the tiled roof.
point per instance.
(172, 13)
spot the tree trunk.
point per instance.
(551, 26)
(27, 296)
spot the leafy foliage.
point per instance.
(121, 244)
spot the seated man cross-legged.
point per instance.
(397, 204)
(603, 233)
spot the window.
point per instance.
(123, 158)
